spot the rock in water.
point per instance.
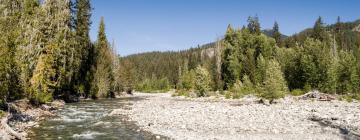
(57, 103)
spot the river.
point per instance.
(90, 120)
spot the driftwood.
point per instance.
(318, 96)
(9, 130)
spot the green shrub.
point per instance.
(183, 93)
(274, 85)
(347, 98)
(237, 90)
(202, 81)
(2, 104)
(2, 113)
(297, 92)
(240, 89)
(307, 87)
(237, 95)
(154, 85)
(357, 96)
(187, 80)
(228, 95)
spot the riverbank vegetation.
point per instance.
(46, 52)
(264, 63)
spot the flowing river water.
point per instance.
(90, 120)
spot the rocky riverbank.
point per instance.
(22, 115)
(219, 118)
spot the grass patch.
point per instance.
(2, 113)
(347, 98)
(228, 95)
(154, 91)
(297, 92)
(182, 93)
(357, 97)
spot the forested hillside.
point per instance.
(46, 52)
(325, 58)
(161, 70)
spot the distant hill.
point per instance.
(349, 38)
(166, 64)
(269, 33)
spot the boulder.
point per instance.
(47, 108)
(264, 102)
(57, 104)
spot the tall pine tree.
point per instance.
(276, 34)
(52, 75)
(319, 30)
(254, 25)
(103, 80)
(85, 48)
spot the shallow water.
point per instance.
(90, 120)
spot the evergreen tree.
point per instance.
(314, 62)
(274, 85)
(45, 80)
(276, 34)
(84, 46)
(227, 73)
(11, 87)
(202, 81)
(332, 77)
(319, 31)
(33, 40)
(55, 62)
(338, 25)
(127, 76)
(340, 34)
(348, 74)
(254, 25)
(103, 75)
(260, 70)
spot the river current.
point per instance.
(90, 120)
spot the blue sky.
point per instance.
(160, 25)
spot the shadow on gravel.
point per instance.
(346, 133)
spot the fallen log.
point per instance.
(9, 130)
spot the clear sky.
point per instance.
(160, 25)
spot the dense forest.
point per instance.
(262, 62)
(46, 52)
(159, 71)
